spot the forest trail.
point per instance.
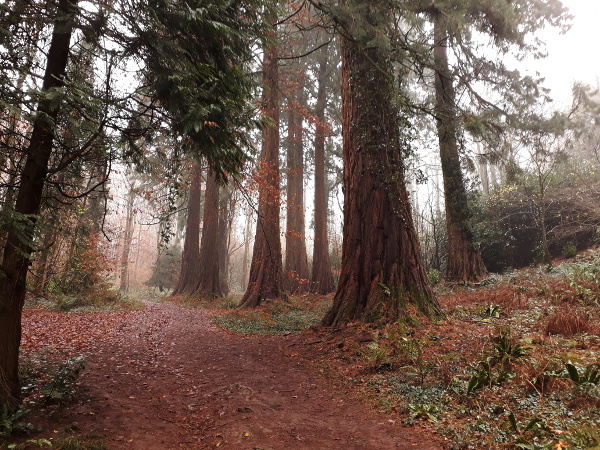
(168, 378)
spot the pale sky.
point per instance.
(572, 56)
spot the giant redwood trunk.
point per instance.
(296, 259)
(382, 271)
(190, 259)
(209, 284)
(266, 278)
(18, 248)
(464, 261)
(322, 278)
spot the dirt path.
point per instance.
(171, 379)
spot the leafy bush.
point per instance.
(375, 354)
(491, 311)
(62, 380)
(485, 376)
(165, 270)
(588, 376)
(496, 368)
(83, 280)
(434, 276)
(11, 422)
(569, 251)
(84, 272)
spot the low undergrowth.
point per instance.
(46, 385)
(62, 442)
(106, 301)
(276, 316)
(515, 365)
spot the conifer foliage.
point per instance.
(194, 62)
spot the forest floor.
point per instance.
(166, 377)
(514, 364)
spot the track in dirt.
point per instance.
(166, 377)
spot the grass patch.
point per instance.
(198, 302)
(276, 316)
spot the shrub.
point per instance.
(61, 384)
(569, 251)
(434, 276)
(165, 271)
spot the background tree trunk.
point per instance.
(296, 259)
(266, 278)
(208, 278)
(322, 278)
(246, 255)
(41, 265)
(18, 247)
(225, 220)
(381, 271)
(464, 262)
(127, 239)
(190, 259)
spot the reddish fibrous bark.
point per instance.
(296, 260)
(266, 278)
(190, 259)
(208, 283)
(382, 270)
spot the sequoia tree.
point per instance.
(190, 260)
(322, 279)
(208, 282)
(464, 261)
(382, 271)
(296, 260)
(266, 278)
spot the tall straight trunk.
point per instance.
(382, 271)
(296, 259)
(17, 251)
(225, 220)
(190, 259)
(464, 261)
(266, 278)
(246, 254)
(127, 239)
(322, 277)
(208, 284)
